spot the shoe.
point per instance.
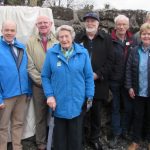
(133, 146)
(126, 136)
(96, 145)
(114, 141)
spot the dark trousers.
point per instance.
(141, 106)
(41, 112)
(68, 133)
(116, 106)
(95, 120)
(120, 96)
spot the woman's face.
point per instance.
(145, 37)
(65, 39)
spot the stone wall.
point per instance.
(74, 18)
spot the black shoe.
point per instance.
(96, 145)
(126, 136)
(114, 141)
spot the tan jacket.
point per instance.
(36, 56)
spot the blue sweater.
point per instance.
(70, 82)
(13, 79)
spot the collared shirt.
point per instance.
(14, 48)
(143, 71)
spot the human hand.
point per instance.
(131, 93)
(95, 76)
(2, 106)
(88, 105)
(51, 102)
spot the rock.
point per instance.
(74, 18)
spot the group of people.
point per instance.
(69, 74)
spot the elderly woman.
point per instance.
(67, 79)
(138, 85)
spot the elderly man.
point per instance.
(36, 50)
(122, 43)
(13, 86)
(99, 46)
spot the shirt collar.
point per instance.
(7, 42)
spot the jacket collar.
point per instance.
(57, 48)
(115, 38)
(15, 43)
(50, 36)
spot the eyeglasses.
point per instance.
(40, 23)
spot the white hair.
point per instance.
(121, 17)
(66, 28)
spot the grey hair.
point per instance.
(9, 21)
(120, 17)
(147, 17)
(66, 28)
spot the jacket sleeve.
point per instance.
(1, 99)
(128, 73)
(89, 78)
(46, 77)
(106, 68)
(33, 72)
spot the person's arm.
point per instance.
(128, 76)
(34, 74)
(46, 83)
(2, 105)
(105, 70)
(89, 78)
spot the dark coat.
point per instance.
(100, 51)
(132, 71)
(121, 52)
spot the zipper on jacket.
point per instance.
(18, 73)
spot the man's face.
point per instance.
(121, 26)
(91, 25)
(44, 25)
(9, 31)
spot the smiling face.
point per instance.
(65, 39)
(9, 31)
(91, 25)
(44, 25)
(145, 37)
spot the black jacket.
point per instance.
(121, 52)
(132, 71)
(100, 51)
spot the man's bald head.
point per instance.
(9, 30)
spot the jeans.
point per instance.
(116, 116)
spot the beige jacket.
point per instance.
(36, 56)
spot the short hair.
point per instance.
(43, 17)
(121, 17)
(145, 26)
(66, 28)
(9, 21)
